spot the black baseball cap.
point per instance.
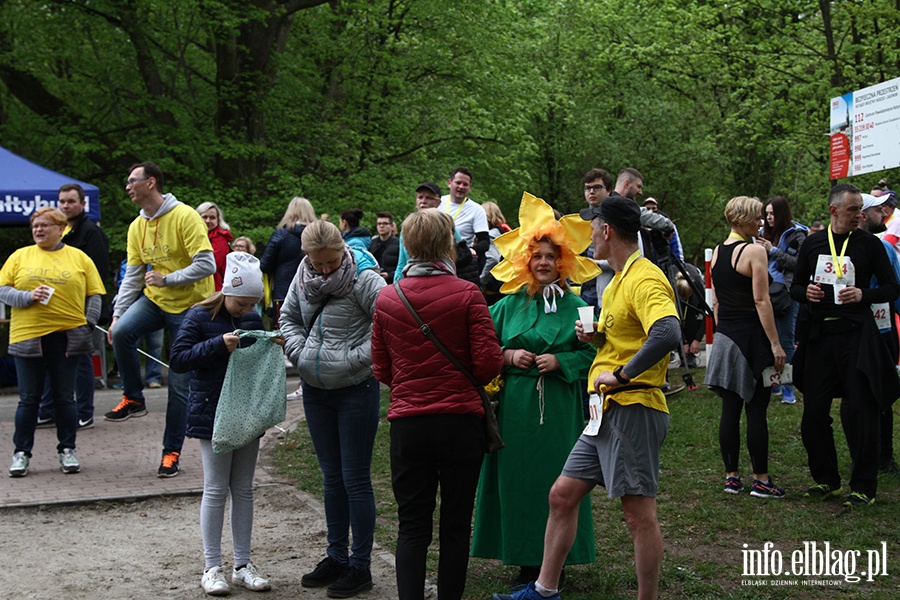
(431, 187)
(621, 212)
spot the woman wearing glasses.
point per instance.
(55, 291)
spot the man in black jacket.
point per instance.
(840, 354)
(84, 234)
(385, 246)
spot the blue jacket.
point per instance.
(358, 237)
(783, 257)
(281, 258)
(200, 349)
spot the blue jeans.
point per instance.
(153, 345)
(84, 386)
(141, 318)
(784, 325)
(342, 424)
(31, 372)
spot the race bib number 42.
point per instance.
(826, 271)
(882, 314)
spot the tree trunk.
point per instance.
(244, 75)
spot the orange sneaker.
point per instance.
(126, 409)
(169, 465)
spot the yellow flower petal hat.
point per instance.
(571, 234)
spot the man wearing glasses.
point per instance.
(385, 246)
(598, 184)
(172, 238)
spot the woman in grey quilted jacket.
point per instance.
(327, 324)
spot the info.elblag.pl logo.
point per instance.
(816, 563)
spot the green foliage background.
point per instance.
(353, 102)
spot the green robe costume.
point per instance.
(512, 506)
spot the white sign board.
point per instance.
(865, 130)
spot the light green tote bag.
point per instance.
(253, 396)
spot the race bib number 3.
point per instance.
(772, 377)
(826, 271)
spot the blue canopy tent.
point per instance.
(25, 187)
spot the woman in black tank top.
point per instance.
(746, 342)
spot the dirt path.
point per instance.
(152, 549)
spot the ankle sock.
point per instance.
(544, 591)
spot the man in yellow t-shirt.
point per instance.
(620, 447)
(171, 239)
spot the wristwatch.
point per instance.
(164, 281)
(618, 375)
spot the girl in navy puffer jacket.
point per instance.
(203, 346)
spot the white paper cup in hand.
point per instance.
(586, 316)
(50, 291)
(837, 290)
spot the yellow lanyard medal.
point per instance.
(447, 209)
(838, 260)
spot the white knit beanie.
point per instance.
(242, 276)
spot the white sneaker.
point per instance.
(250, 578)
(213, 582)
(67, 461)
(19, 467)
(296, 394)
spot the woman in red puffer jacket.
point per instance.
(437, 433)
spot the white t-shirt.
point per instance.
(469, 216)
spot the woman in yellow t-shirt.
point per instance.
(54, 291)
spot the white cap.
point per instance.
(870, 201)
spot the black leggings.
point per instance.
(757, 428)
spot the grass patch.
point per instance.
(703, 528)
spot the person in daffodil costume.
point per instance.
(540, 411)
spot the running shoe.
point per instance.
(169, 465)
(67, 461)
(525, 592)
(248, 577)
(19, 466)
(858, 499)
(213, 582)
(823, 491)
(733, 485)
(126, 409)
(766, 489)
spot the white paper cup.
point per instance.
(837, 289)
(586, 316)
(50, 291)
